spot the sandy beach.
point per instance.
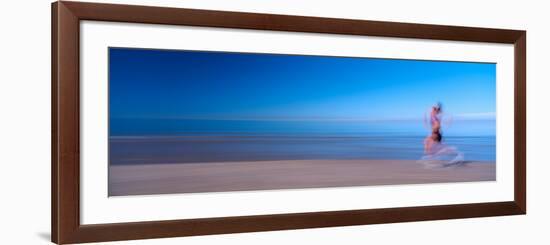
(144, 179)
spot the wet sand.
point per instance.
(145, 179)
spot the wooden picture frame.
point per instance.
(65, 175)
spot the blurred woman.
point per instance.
(435, 124)
(437, 154)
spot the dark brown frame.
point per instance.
(66, 227)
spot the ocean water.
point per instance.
(146, 141)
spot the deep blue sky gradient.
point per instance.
(243, 86)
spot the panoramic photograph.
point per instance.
(184, 121)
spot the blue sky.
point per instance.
(242, 86)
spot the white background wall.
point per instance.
(25, 121)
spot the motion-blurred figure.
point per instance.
(437, 154)
(435, 125)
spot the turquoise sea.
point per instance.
(132, 141)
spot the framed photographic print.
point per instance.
(177, 122)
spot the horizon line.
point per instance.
(462, 117)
